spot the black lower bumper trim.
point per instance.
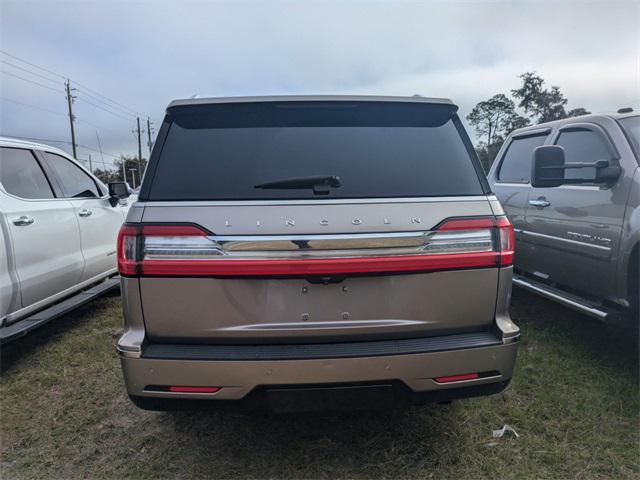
(174, 351)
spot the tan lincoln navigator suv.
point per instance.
(300, 252)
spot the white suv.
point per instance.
(59, 226)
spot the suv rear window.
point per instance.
(220, 152)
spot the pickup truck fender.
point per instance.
(630, 240)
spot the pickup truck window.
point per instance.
(74, 182)
(516, 164)
(21, 174)
(631, 125)
(582, 146)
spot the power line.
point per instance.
(106, 110)
(116, 134)
(32, 106)
(28, 71)
(33, 64)
(87, 89)
(125, 112)
(49, 140)
(64, 115)
(31, 81)
(96, 150)
(97, 100)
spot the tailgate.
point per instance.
(318, 270)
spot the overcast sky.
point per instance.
(142, 55)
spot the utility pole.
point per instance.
(124, 172)
(139, 150)
(100, 148)
(149, 122)
(90, 164)
(71, 117)
(133, 176)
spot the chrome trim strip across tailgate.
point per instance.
(338, 245)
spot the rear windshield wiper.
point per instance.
(321, 184)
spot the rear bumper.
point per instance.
(241, 370)
(194, 365)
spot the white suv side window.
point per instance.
(21, 174)
(74, 182)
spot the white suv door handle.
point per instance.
(23, 221)
(85, 213)
(540, 203)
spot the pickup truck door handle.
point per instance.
(23, 221)
(85, 213)
(540, 202)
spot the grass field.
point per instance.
(574, 401)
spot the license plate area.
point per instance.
(336, 398)
(202, 310)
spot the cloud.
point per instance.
(145, 54)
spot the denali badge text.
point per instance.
(589, 238)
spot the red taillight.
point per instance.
(132, 244)
(189, 251)
(506, 241)
(467, 224)
(127, 246)
(505, 238)
(180, 389)
(309, 267)
(173, 231)
(457, 378)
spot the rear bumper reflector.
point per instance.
(457, 378)
(178, 389)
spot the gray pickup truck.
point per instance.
(571, 188)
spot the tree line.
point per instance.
(494, 119)
(127, 168)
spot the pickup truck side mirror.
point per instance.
(547, 169)
(118, 191)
